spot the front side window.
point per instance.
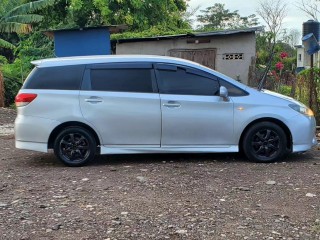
(233, 91)
(185, 81)
(122, 80)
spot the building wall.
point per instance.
(244, 43)
(82, 43)
(300, 57)
(304, 59)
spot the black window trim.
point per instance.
(121, 65)
(188, 69)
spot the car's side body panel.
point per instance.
(197, 121)
(124, 118)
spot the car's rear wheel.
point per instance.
(75, 146)
(265, 142)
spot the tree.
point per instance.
(189, 15)
(292, 37)
(17, 20)
(20, 18)
(217, 17)
(136, 14)
(310, 7)
(273, 13)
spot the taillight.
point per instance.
(24, 99)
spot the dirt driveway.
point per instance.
(206, 196)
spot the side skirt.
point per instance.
(165, 149)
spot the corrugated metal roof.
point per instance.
(191, 35)
(228, 32)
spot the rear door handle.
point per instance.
(172, 104)
(94, 100)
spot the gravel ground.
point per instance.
(200, 196)
(7, 117)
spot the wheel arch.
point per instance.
(273, 120)
(62, 126)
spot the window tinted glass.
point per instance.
(122, 80)
(186, 82)
(233, 90)
(59, 78)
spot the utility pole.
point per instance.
(311, 82)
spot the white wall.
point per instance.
(306, 59)
(238, 43)
(300, 57)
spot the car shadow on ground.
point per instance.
(49, 160)
(160, 158)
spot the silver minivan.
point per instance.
(83, 106)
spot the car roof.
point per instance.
(65, 61)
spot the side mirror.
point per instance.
(224, 93)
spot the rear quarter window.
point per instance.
(57, 78)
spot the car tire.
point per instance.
(75, 146)
(265, 142)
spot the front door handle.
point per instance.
(94, 100)
(172, 104)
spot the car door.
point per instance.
(122, 102)
(193, 113)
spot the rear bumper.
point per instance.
(32, 133)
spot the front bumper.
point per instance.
(303, 130)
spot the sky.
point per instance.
(295, 17)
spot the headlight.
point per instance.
(302, 109)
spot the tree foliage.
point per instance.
(20, 18)
(217, 17)
(138, 15)
(151, 32)
(264, 40)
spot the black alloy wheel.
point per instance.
(75, 146)
(265, 142)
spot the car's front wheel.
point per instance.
(265, 142)
(75, 146)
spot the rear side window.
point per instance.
(58, 78)
(122, 80)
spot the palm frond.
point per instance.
(30, 7)
(25, 18)
(9, 27)
(5, 44)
